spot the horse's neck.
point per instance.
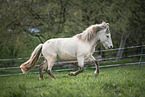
(94, 42)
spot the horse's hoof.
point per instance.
(96, 74)
(40, 78)
(72, 74)
(53, 78)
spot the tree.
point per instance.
(65, 18)
(128, 14)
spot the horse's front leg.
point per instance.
(80, 64)
(92, 59)
(77, 72)
(97, 68)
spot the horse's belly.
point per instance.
(67, 56)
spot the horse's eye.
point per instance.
(107, 36)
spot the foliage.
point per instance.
(119, 82)
(65, 18)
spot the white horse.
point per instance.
(79, 47)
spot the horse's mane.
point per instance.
(90, 32)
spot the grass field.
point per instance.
(115, 82)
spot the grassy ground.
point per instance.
(122, 82)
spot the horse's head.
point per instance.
(105, 36)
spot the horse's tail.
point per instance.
(27, 66)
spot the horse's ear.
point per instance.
(107, 31)
(104, 23)
(107, 24)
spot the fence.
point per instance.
(132, 56)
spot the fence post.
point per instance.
(140, 57)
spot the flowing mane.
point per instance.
(90, 32)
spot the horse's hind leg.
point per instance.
(41, 68)
(51, 62)
(50, 73)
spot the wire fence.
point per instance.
(132, 56)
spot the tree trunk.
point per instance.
(121, 49)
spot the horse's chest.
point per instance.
(86, 52)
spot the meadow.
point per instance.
(113, 82)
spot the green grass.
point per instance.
(116, 82)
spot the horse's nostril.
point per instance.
(111, 47)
